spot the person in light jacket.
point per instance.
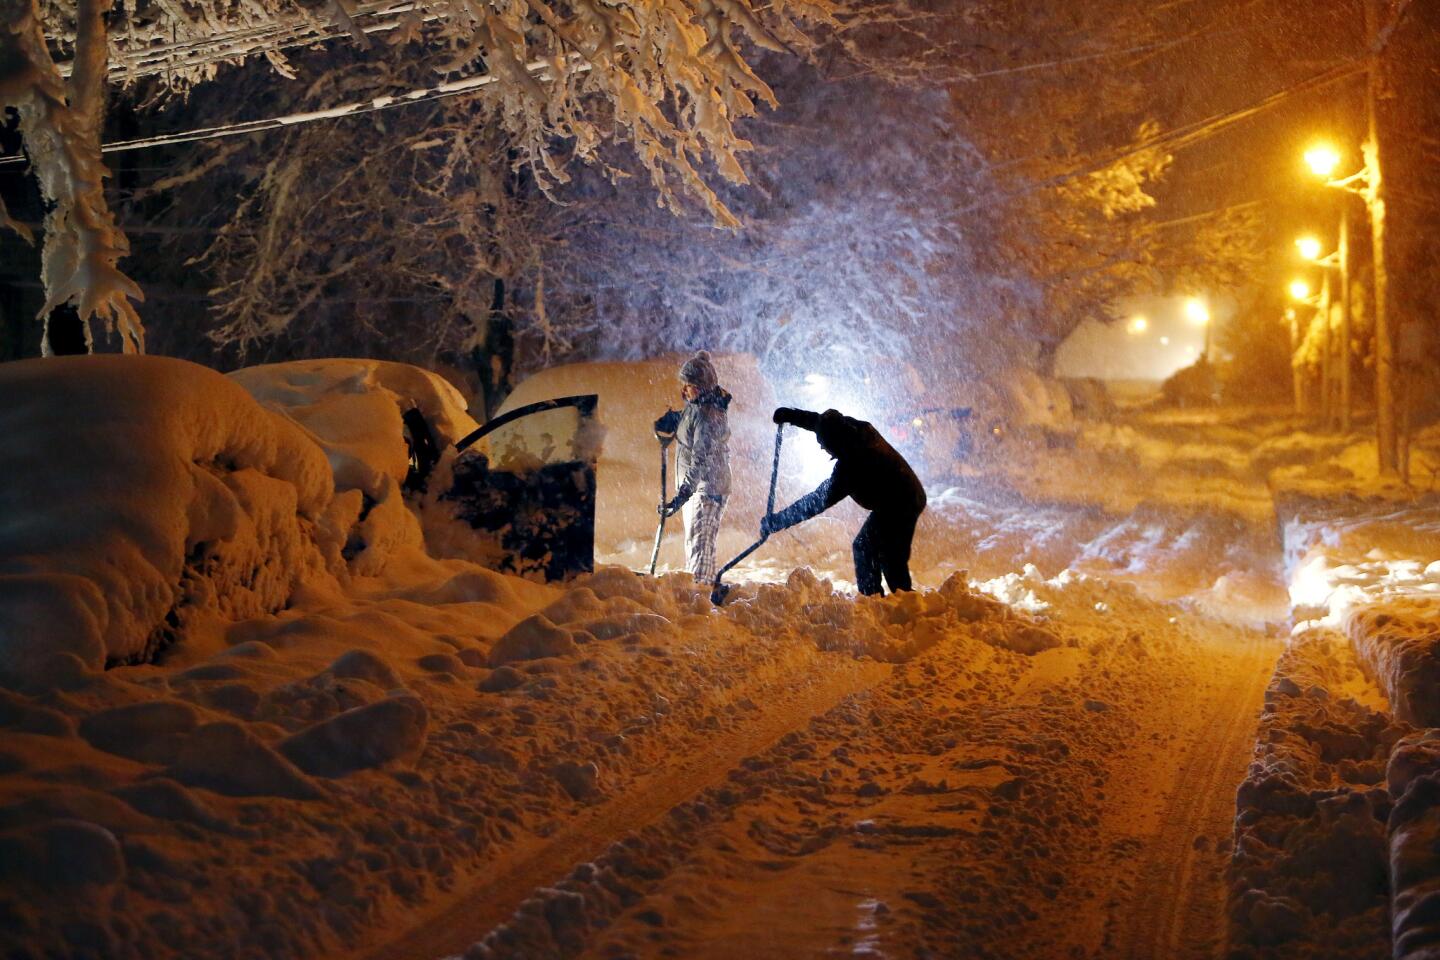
(702, 463)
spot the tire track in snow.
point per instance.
(495, 894)
(1176, 911)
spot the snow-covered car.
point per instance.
(516, 494)
(525, 483)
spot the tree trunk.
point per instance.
(1327, 366)
(1345, 333)
(495, 358)
(60, 124)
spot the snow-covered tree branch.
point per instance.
(668, 77)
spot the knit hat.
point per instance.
(699, 372)
(834, 431)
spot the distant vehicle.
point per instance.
(1194, 386)
(936, 440)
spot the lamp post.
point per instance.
(1299, 292)
(1337, 367)
(1297, 382)
(1368, 184)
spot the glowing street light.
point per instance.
(1322, 159)
(1196, 311)
(1138, 325)
(1199, 315)
(1309, 248)
(1299, 290)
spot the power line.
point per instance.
(450, 88)
(1189, 134)
(1177, 138)
(1208, 214)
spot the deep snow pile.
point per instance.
(138, 489)
(1413, 780)
(1342, 553)
(367, 752)
(1399, 644)
(1371, 569)
(354, 409)
(1309, 877)
(340, 726)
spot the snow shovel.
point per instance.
(664, 432)
(719, 591)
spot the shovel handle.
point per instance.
(719, 590)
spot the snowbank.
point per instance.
(1034, 401)
(1413, 781)
(136, 489)
(1309, 873)
(1399, 644)
(310, 778)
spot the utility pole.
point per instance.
(1327, 363)
(1385, 437)
(1343, 254)
(1297, 379)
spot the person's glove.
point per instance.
(785, 414)
(670, 507)
(666, 426)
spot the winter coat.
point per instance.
(702, 441)
(867, 469)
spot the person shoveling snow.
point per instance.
(702, 463)
(870, 471)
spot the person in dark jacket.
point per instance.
(871, 472)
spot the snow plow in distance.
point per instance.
(525, 483)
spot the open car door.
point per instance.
(525, 481)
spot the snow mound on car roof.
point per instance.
(354, 409)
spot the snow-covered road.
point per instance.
(973, 801)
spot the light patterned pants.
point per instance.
(702, 514)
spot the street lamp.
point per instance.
(1322, 159)
(1309, 248)
(1199, 315)
(1137, 325)
(1299, 290)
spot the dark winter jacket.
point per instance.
(867, 469)
(702, 440)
